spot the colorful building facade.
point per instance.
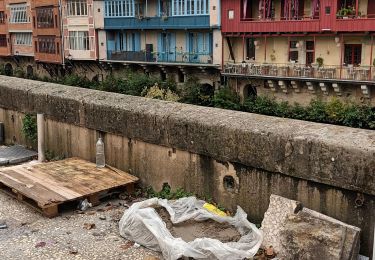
(294, 50)
(299, 49)
(167, 36)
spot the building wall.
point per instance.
(55, 31)
(80, 23)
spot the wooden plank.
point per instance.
(30, 189)
(51, 212)
(49, 184)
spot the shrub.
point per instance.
(156, 92)
(29, 127)
(194, 93)
(226, 98)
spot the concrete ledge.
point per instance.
(339, 156)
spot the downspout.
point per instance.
(371, 63)
(265, 48)
(341, 54)
(62, 49)
(243, 47)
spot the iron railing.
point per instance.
(172, 56)
(288, 70)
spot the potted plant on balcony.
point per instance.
(320, 61)
(345, 12)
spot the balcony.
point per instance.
(161, 57)
(301, 72)
(361, 23)
(250, 16)
(170, 22)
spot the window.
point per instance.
(328, 10)
(230, 14)
(293, 51)
(77, 7)
(190, 7)
(250, 49)
(46, 44)
(164, 8)
(3, 40)
(310, 52)
(353, 53)
(22, 39)
(45, 17)
(119, 8)
(2, 17)
(246, 9)
(18, 13)
(79, 40)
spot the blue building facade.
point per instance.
(162, 31)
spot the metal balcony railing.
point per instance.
(288, 70)
(172, 56)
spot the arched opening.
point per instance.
(207, 89)
(249, 91)
(8, 69)
(29, 71)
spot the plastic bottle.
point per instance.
(100, 157)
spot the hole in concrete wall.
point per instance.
(8, 69)
(249, 91)
(229, 183)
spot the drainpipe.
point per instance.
(40, 126)
(62, 47)
(371, 61)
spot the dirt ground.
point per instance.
(190, 230)
(92, 235)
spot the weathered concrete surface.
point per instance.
(339, 156)
(296, 232)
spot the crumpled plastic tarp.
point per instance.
(142, 224)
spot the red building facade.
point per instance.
(288, 47)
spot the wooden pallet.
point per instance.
(46, 186)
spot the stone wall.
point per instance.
(328, 168)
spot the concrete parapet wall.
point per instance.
(328, 168)
(339, 156)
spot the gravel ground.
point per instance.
(31, 236)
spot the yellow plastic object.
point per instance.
(211, 208)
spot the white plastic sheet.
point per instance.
(141, 224)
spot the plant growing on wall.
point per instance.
(320, 61)
(29, 127)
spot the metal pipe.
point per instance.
(40, 126)
(371, 61)
(341, 53)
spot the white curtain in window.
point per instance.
(79, 40)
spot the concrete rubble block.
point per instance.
(274, 219)
(303, 233)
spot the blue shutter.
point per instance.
(211, 43)
(137, 41)
(200, 43)
(160, 47)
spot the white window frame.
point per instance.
(119, 8)
(24, 39)
(79, 40)
(190, 7)
(18, 13)
(77, 8)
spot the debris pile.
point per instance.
(171, 230)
